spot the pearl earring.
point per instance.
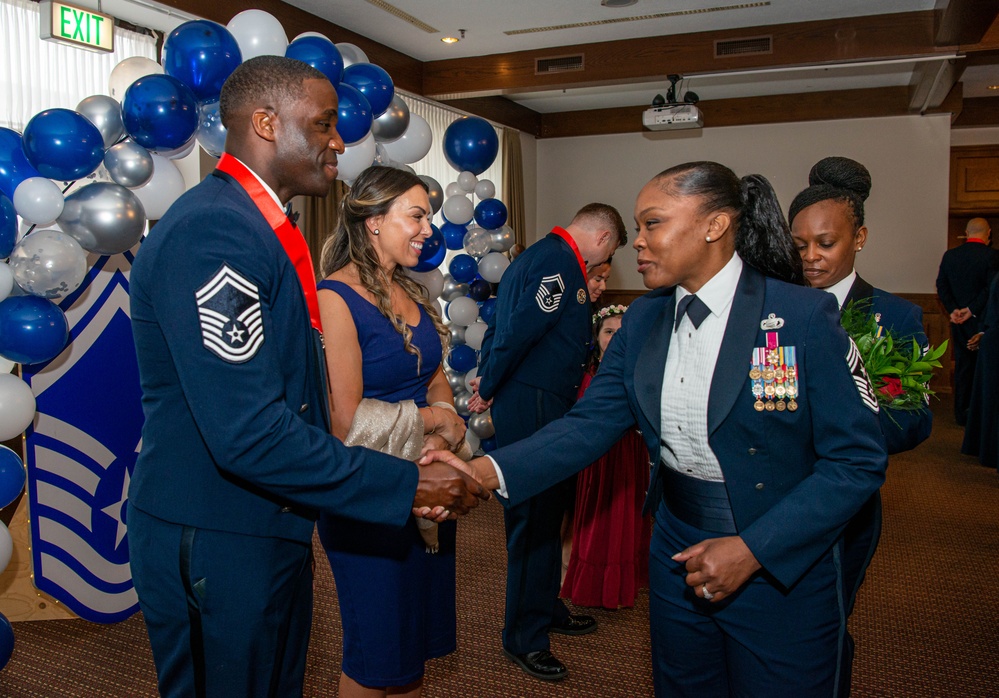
(376, 231)
(707, 238)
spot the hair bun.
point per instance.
(842, 173)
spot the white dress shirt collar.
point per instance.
(719, 291)
(841, 289)
(262, 182)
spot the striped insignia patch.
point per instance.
(550, 292)
(229, 311)
(860, 378)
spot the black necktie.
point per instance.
(292, 215)
(694, 308)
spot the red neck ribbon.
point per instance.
(287, 232)
(564, 234)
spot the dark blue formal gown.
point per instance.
(397, 602)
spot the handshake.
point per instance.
(448, 486)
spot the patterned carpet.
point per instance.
(926, 624)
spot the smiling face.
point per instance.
(607, 330)
(671, 238)
(596, 282)
(827, 242)
(402, 230)
(306, 142)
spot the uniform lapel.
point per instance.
(859, 291)
(733, 358)
(649, 369)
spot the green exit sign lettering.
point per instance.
(76, 26)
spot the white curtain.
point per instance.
(434, 164)
(36, 75)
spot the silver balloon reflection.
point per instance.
(481, 424)
(455, 380)
(435, 193)
(457, 335)
(129, 164)
(501, 239)
(453, 289)
(104, 218)
(393, 123)
(104, 113)
(461, 403)
(49, 263)
(211, 132)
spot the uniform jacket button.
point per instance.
(285, 510)
(303, 408)
(759, 485)
(752, 451)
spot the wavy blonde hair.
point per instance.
(374, 192)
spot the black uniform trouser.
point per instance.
(534, 548)
(964, 372)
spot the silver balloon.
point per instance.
(457, 334)
(393, 123)
(461, 403)
(435, 193)
(129, 164)
(104, 218)
(104, 113)
(501, 239)
(351, 54)
(382, 158)
(455, 380)
(49, 263)
(453, 289)
(481, 424)
(211, 133)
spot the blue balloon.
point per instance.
(8, 226)
(322, 54)
(454, 235)
(32, 329)
(470, 143)
(11, 476)
(6, 641)
(487, 309)
(490, 214)
(14, 166)
(160, 112)
(489, 444)
(462, 358)
(354, 114)
(374, 83)
(201, 54)
(433, 251)
(479, 289)
(463, 268)
(63, 144)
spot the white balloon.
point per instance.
(493, 266)
(459, 209)
(6, 365)
(128, 71)
(471, 374)
(432, 280)
(6, 280)
(258, 33)
(356, 159)
(163, 188)
(414, 144)
(17, 406)
(180, 152)
(467, 181)
(474, 334)
(485, 189)
(453, 190)
(6, 547)
(38, 200)
(462, 311)
(351, 54)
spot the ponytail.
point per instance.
(764, 239)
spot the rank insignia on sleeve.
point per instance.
(229, 312)
(860, 378)
(550, 293)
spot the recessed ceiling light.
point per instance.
(993, 87)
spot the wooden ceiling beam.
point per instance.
(501, 111)
(848, 39)
(978, 111)
(966, 21)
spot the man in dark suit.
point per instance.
(237, 457)
(963, 287)
(533, 358)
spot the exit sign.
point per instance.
(76, 26)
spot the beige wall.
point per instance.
(908, 158)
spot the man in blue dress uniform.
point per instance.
(237, 459)
(533, 359)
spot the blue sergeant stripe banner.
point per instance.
(81, 451)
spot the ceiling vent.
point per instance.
(748, 46)
(558, 64)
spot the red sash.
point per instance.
(287, 232)
(564, 234)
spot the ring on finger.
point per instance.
(707, 594)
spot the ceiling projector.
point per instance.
(672, 117)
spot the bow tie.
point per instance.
(292, 215)
(694, 308)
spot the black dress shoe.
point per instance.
(575, 625)
(541, 664)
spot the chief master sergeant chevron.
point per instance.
(237, 459)
(533, 358)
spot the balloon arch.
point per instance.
(79, 185)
